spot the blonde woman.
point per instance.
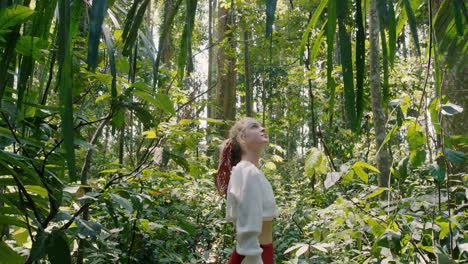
(250, 201)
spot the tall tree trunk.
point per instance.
(383, 158)
(226, 67)
(248, 77)
(211, 90)
(167, 43)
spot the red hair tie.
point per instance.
(224, 168)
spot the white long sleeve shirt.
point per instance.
(250, 201)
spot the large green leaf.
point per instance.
(165, 103)
(58, 250)
(8, 255)
(12, 16)
(312, 23)
(315, 163)
(132, 33)
(32, 46)
(412, 23)
(96, 18)
(10, 220)
(185, 55)
(347, 65)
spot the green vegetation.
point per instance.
(112, 111)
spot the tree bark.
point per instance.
(248, 77)
(383, 158)
(167, 42)
(211, 67)
(226, 66)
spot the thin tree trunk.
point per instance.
(211, 92)
(248, 77)
(84, 182)
(167, 42)
(383, 158)
(312, 125)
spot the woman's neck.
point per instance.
(251, 157)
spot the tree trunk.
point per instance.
(383, 158)
(167, 43)
(226, 67)
(211, 69)
(248, 78)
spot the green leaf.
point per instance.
(438, 173)
(454, 155)
(417, 157)
(347, 66)
(88, 228)
(302, 250)
(412, 23)
(96, 18)
(361, 173)
(10, 220)
(315, 163)
(376, 192)
(9, 256)
(130, 33)
(32, 46)
(457, 9)
(312, 22)
(39, 247)
(185, 54)
(21, 235)
(14, 15)
(415, 137)
(392, 34)
(270, 166)
(451, 109)
(165, 103)
(389, 136)
(365, 165)
(122, 202)
(37, 190)
(376, 228)
(57, 249)
(403, 168)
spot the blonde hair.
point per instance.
(231, 154)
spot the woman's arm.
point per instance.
(249, 217)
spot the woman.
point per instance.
(250, 201)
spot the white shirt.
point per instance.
(250, 201)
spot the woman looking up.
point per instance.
(250, 201)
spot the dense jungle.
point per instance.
(112, 113)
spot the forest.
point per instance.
(112, 113)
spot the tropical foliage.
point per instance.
(112, 113)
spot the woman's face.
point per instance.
(254, 136)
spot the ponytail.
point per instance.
(229, 157)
